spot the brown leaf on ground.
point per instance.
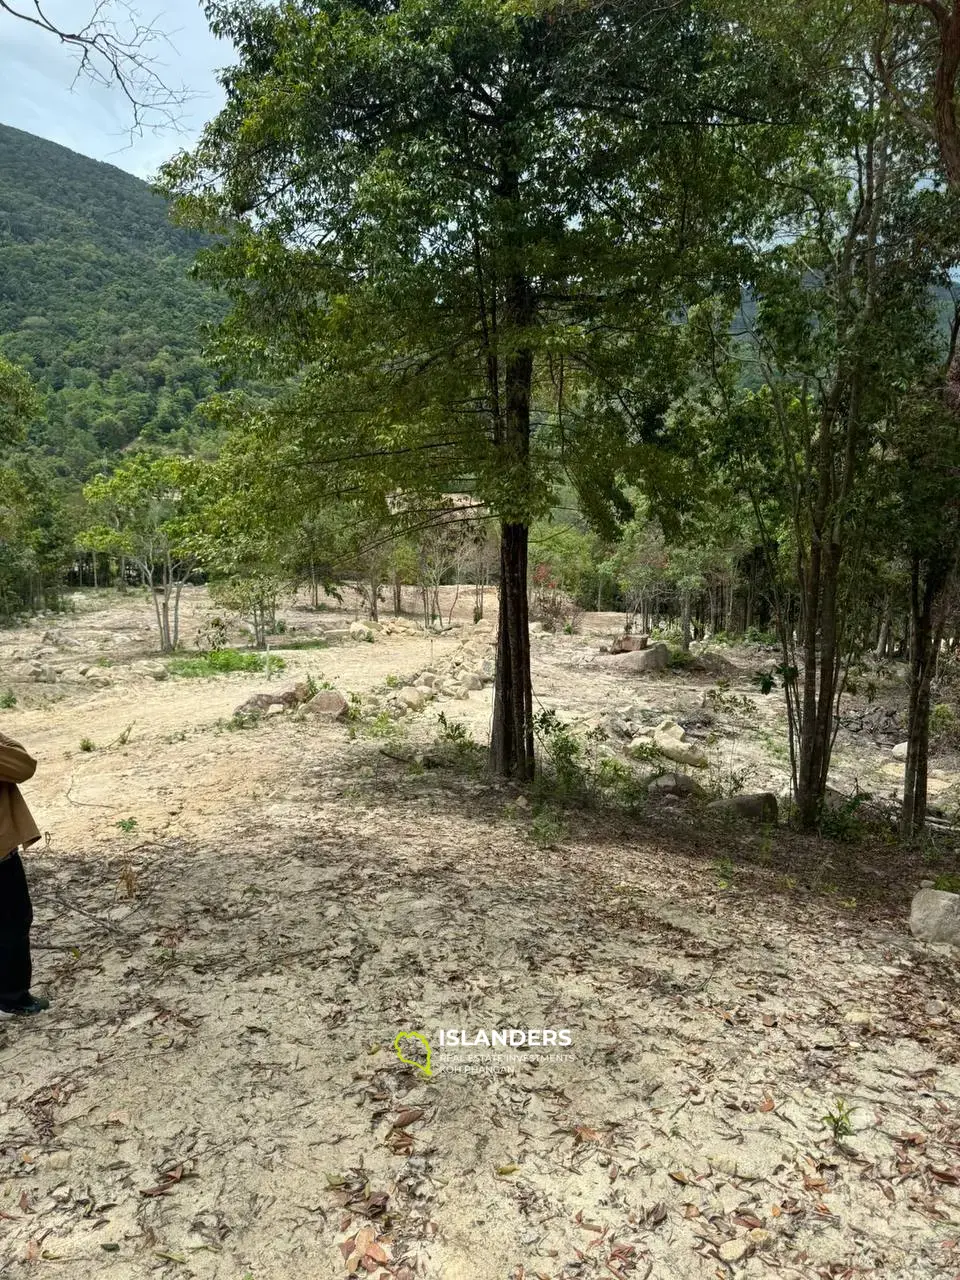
(408, 1116)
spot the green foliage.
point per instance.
(944, 724)
(548, 828)
(725, 870)
(224, 662)
(947, 882)
(575, 771)
(127, 825)
(839, 1119)
(87, 744)
(8, 700)
(19, 402)
(213, 635)
(842, 821)
(97, 306)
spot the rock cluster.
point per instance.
(670, 740)
(281, 699)
(469, 669)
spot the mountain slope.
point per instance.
(96, 303)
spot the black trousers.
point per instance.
(16, 917)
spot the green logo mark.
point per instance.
(413, 1035)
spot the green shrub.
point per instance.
(220, 662)
(947, 882)
(843, 822)
(753, 635)
(944, 724)
(8, 699)
(87, 744)
(547, 829)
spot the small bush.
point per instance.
(87, 744)
(843, 822)
(944, 725)
(8, 699)
(767, 639)
(839, 1120)
(680, 659)
(220, 662)
(947, 882)
(213, 635)
(547, 829)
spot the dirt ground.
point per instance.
(234, 926)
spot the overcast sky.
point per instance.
(36, 74)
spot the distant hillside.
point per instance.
(96, 303)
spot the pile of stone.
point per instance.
(469, 669)
(668, 739)
(280, 700)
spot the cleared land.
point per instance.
(214, 1093)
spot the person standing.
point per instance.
(17, 829)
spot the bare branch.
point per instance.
(116, 48)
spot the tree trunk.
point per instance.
(883, 640)
(165, 621)
(926, 633)
(511, 743)
(397, 596)
(685, 621)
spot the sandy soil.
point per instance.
(215, 1094)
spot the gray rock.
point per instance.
(414, 699)
(935, 916)
(629, 644)
(900, 751)
(429, 678)
(760, 806)
(670, 741)
(471, 681)
(675, 784)
(325, 705)
(488, 670)
(642, 660)
(360, 631)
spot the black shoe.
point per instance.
(24, 1006)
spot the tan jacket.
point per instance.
(17, 826)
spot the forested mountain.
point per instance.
(96, 303)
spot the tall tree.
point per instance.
(465, 229)
(841, 330)
(918, 63)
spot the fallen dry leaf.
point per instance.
(408, 1116)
